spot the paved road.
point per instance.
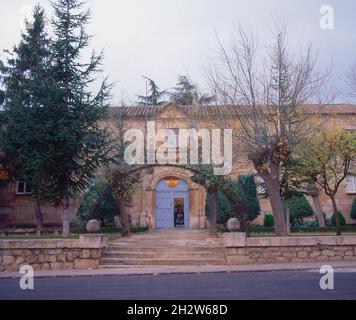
(216, 286)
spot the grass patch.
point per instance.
(109, 230)
(33, 237)
(262, 231)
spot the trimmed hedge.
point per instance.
(341, 218)
(248, 187)
(259, 229)
(268, 220)
(110, 230)
(299, 207)
(305, 229)
(353, 209)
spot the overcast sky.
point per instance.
(164, 38)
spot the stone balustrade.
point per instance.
(82, 253)
(259, 250)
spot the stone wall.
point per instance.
(84, 253)
(260, 250)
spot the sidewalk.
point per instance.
(340, 266)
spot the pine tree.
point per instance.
(153, 99)
(185, 92)
(79, 145)
(26, 82)
(2, 92)
(2, 97)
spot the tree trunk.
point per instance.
(212, 213)
(273, 189)
(239, 211)
(319, 211)
(288, 219)
(336, 214)
(65, 218)
(242, 220)
(314, 193)
(124, 217)
(39, 216)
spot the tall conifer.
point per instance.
(80, 144)
(26, 81)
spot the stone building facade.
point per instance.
(166, 197)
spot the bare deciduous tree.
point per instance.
(126, 187)
(265, 99)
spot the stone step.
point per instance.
(175, 233)
(164, 248)
(162, 262)
(170, 236)
(123, 266)
(160, 248)
(167, 243)
(163, 255)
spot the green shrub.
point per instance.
(353, 209)
(299, 207)
(247, 187)
(110, 230)
(310, 225)
(253, 228)
(268, 220)
(341, 218)
(106, 210)
(224, 208)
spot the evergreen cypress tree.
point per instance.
(26, 82)
(79, 145)
(247, 186)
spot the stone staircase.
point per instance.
(165, 248)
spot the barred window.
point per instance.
(351, 183)
(261, 186)
(23, 187)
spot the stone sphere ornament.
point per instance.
(233, 224)
(93, 226)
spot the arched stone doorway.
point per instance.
(172, 203)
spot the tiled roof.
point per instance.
(331, 108)
(213, 110)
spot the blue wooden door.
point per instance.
(164, 203)
(164, 217)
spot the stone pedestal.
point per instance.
(234, 239)
(93, 241)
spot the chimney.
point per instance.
(195, 98)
